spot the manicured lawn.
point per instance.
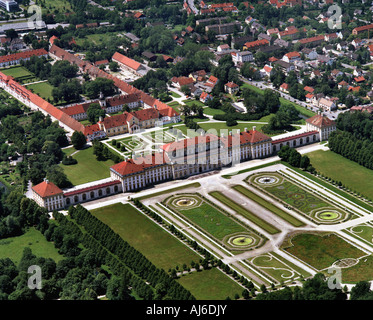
(350, 173)
(210, 284)
(212, 220)
(172, 190)
(87, 169)
(17, 72)
(244, 212)
(175, 95)
(321, 251)
(13, 247)
(144, 235)
(211, 112)
(271, 207)
(43, 89)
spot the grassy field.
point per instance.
(321, 251)
(210, 284)
(13, 247)
(43, 89)
(244, 212)
(17, 72)
(350, 173)
(212, 220)
(363, 271)
(173, 190)
(87, 169)
(271, 207)
(156, 244)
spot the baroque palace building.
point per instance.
(181, 159)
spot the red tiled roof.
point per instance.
(23, 55)
(301, 135)
(320, 121)
(231, 85)
(138, 165)
(292, 54)
(130, 63)
(92, 188)
(47, 189)
(309, 89)
(311, 39)
(146, 114)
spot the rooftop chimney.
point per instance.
(254, 128)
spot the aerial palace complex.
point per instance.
(181, 159)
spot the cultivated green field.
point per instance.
(13, 247)
(17, 72)
(210, 284)
(350, 173)
(321, 251)
(87, 169)
(244, 212)
(271, 207)
(43, 89)
(156, 244)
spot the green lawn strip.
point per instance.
(350, 173)
(43, 89)
(160, 247)
(228, 176)
(210, 284)
(185, 231)
(17, 72)
(212, 220)
(269, 206)
(172, 190)
(13, 247)
(322, 250)
(329, 186)
(87, 169)
(244, 212)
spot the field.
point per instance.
(144, 235)
(281, 213)
(298, 197)
(33, 239)
(210, 284)
(321, 251)
(17, 72)
(87, 169)
(42, 89)
(213, 221)
(335, 166)
(244, 212)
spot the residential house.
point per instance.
(291, 57)
(231, 87)
(284, 88)
(205, 97)
(327, 104)
(242, 57)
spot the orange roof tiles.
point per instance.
(320, 121)
(47, 189)
(130, 63)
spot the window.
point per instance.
(92, 195)
(76, 199)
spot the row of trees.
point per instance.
(354, 137)
(295, 159)
(103, 236)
